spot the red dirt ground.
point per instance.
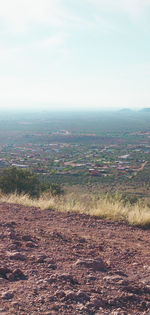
(63, 263)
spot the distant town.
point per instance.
(81, 154)
(67, 158)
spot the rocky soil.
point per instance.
(63, 263)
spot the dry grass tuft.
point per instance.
(88, 203)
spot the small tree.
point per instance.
(19, 181)
(53, 189)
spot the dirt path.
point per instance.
(62, 263)
(142, 166)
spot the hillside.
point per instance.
(64, 263)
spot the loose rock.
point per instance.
(95, 264)
(16, 256)
(8, 295)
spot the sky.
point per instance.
(80, 54)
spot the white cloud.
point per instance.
(53, 41)
(133, 8)
(20, 15)
(40, 54)
(7, 54)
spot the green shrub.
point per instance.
(54, 189)
(24, 181)
(19, 181)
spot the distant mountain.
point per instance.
(125, 110)
(145, 110)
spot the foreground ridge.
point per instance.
(64, 263)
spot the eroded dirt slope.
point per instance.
(63, 263)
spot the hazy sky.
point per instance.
(75, 53)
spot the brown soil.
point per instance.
(63, 263)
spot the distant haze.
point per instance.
(63, 54)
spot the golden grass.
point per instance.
(96, 205)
